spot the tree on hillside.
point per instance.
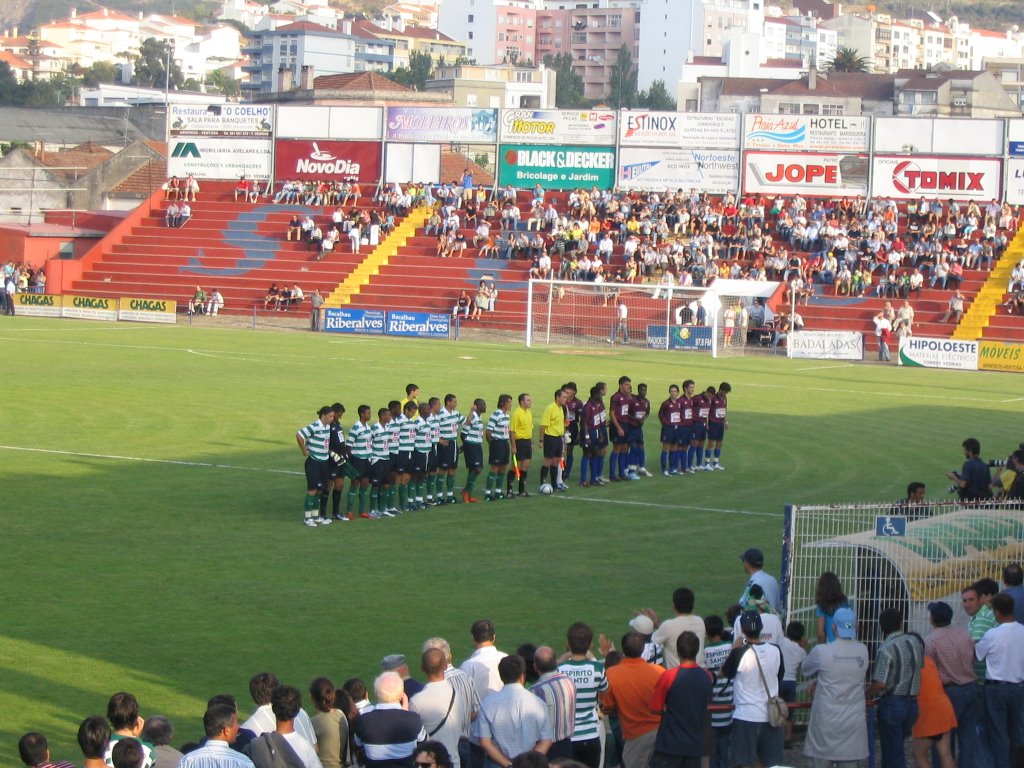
(151, 65)
(420, 69)
(848, 60)
(568, 83)
(99, 72)
(657, 97)
(221, 82)
(623, 92)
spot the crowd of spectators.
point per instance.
(19, 278)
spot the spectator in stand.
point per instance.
(173, 216)
(35, 752)
(242, 188)
(159, 731)
(883, 332)
(215, 304)
(172, 188)
(463, 305)
(184, 214)
(955, 310)
(93, 737)
(197, 304)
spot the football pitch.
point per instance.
(152, 504)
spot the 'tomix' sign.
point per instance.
(327, 160)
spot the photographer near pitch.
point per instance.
(974, 481)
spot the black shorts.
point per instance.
(473, 455)
(402, 462)
(498, 453)
(635, 434)
(318, 474)
(573, 430)
(380, 473)
(360, 466)
(333, 470)
(716, 431)
(419, 462)
(432, 460)
(553, 445)
(699, 432)
(618, 439)
(670, 434)
(524, 450)
(597, 438)
(448, 455)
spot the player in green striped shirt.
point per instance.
(360, 443)
(472, 431)
(498, 448)
(434, 419)
(421, 454)
(448, 421)
(406, 448)
(380, 466)
(315, 443)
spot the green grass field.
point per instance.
(152, 499)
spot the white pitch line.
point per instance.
(1012, 400)
(826, 367)
(874, 393)
(113, 457)
(673, 506)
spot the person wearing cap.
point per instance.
(896, 680)
(838, 731)
(753, 564)
(631, 684)
(685, 620)
(395, 662)
(952, 650)
(1002, 650)
(643, 624)
(753, 737)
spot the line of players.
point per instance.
(407, 459)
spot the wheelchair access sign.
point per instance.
(888, 526)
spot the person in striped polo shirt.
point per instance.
(559, 694)
(360, 442)
(472, 431)
(499, 451)
(590, 681)
(449, 421)
(314, 442)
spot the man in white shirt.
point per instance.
(261, 688)
(668, 631)
(437, 705)
(482, 667)
(466, 698)
(1002, 650)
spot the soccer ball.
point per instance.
(546, 489)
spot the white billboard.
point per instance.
(330, 122)
(679, 130)
(806, 174)
(827, 345)
(252, 120)
(806, 133)
(1015, 181)
(924, 352)
(1015, 136)
(961, 178)
(942, 135)
(709, 170)
(558, 126)
(220, 158)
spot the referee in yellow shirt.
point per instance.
(521, 429)
(552, 430)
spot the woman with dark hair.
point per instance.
(432, 754)
(330, 723)
(828, 598)
(528, 651)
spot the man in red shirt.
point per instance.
(631, 686)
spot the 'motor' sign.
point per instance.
(930, 176)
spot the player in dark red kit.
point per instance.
(639, 410)
(701, 411)
(670, 414)
(621, 421)
(717, 423)
(573, 415)
(687, 451)
(594, 438)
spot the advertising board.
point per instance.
(557, 167)
(792, 173)
(238, 120)
(558, 126)
(962, 178)
(687, 337)
(89, 308)
(443, 125)
(207, 158)
(147, 310)
(346, 320)
(424, 325)
(1015, 181)
(809, 133)
(328, 160)
(37, 304)
(827, 345)
(1001, 356)
(925, 352)
(679, 129)
(714, 171)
